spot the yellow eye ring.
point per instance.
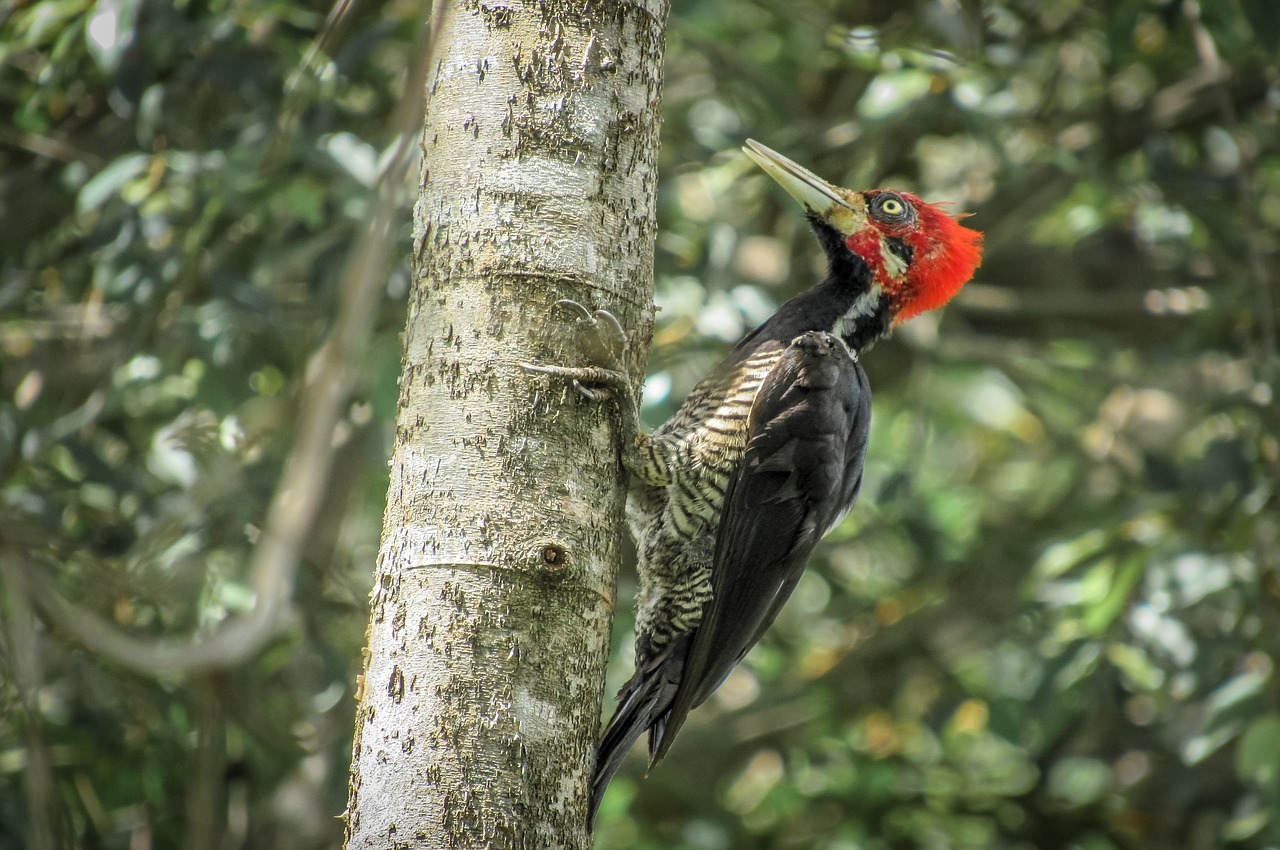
(890, 208)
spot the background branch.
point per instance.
(331, 374)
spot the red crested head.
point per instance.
(943, 257)
(919, 256)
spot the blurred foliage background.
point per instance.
(1052, 621)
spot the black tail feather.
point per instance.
(643, 703)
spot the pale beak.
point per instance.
(816, 194)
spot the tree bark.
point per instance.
(494, 588)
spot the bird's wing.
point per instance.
(800, 473)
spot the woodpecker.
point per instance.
(730, 495)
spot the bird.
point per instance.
(729, 497)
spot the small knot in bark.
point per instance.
(553, 558)
(548, 556)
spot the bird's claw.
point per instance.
(593, 382)
(574, 307)
(606, 340)
(594, 395)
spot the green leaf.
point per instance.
(892, 92)
(49, 18)
(1060, 557)
(1123, 578)
(1079, 781)
(304, 199)
(1136, 665)
(109, 182)
(1258, 753)
(1226, 710)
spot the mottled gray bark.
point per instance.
(494, 587)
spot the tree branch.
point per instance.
(41, 797)
(330, 376)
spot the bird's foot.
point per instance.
(604, 341)
(604, 338)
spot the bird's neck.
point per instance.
(856, 312)
(847, 303)
(858, 304)
(865, 320)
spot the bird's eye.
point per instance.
(890, 207)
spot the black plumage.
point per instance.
(711, 588)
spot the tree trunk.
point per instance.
(494, 588)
